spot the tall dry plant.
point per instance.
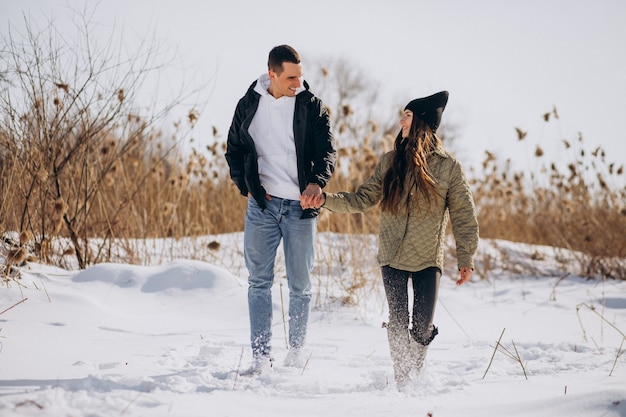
(79, 161)
(577, 202)
(362, 133)
(70, 124)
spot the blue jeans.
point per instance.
(263, 232)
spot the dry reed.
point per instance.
(88, 169)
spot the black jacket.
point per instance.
(315, 145)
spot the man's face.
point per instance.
(287, 82)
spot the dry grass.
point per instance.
(143, 187)
(159, 195)
(576, 204)
(77, 162)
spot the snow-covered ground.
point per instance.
(169, 340)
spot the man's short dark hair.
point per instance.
(280, 54)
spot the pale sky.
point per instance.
(505, 63)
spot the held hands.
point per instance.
(312, 197)
(465, 274)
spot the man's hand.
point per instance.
(312, 201)
(465, 274)
(267, 196)
(311, 196)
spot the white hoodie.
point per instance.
(272, 132)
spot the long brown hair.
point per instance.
(409, 169)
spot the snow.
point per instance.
(169, 339)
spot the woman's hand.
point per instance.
(465, 274)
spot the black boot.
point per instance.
(400, 349)
(419, 347)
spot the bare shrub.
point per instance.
(80, 160)
(575, 203)
(76, 152)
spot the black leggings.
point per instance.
(425, 287)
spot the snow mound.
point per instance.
(183, 275)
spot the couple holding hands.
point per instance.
(281, 154)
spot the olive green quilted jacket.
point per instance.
(414, 241)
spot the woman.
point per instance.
(419, 187)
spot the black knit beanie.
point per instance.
(429, 109)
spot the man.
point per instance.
(279, 148)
